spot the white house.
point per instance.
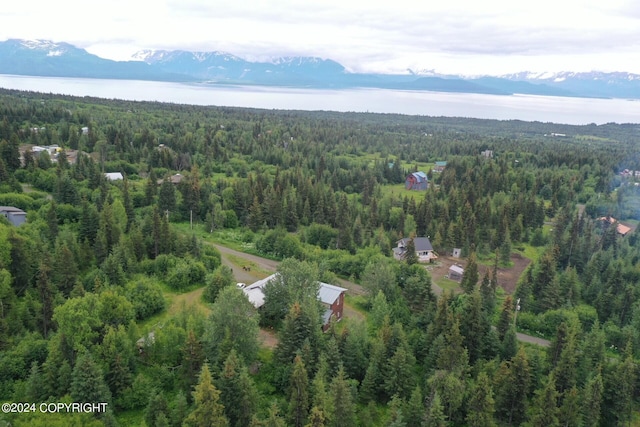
(424, 249)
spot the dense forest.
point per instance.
(95, 285)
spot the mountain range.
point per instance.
(50, 59)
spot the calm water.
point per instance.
(521, 107)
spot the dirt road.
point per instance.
(259, 265)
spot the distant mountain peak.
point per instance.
(152, 56)
(560, 76)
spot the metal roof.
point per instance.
(421, 243)
(327, 293)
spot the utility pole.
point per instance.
(515, 316)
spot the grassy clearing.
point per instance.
(399, 191)
(448, 284)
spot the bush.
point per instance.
(146, 297)
(219, 279)
(186, 274)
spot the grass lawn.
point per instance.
(448, 285)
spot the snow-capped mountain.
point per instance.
(47, 58)
(222, 66)
(592, 84)
(572, 75)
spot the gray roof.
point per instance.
(456, 269)
(327, 293)
(421, 243)
(11, 209)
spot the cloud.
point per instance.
(364, 36)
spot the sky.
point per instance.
(463, 37)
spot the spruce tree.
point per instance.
(87, 384)
(544, 408)
(344, 410)
(157, 407)
(237, 391)
(592, 400)
(207, 411)
(298, 393)
(480, 408)
(470, 276)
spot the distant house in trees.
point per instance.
(456, 272)
(439, 166)
(332, 297)
(174, 179)
(487, 153)
(146, 341)
(114, 176)
(620, 228)
(416, 181)
(424, 249)
(14, 215)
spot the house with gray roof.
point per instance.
(424, 249)
(332, 297)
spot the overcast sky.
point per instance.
(467, 37)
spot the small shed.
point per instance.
(456, 272)
(14, 215)
(416, 181)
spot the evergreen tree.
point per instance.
(156, 408)
(237, 391)
(488, 293)
(128, 204)
(569, 412)
(150, 188)
(512, 386)
(316, 418)
(87, 384)
(506, 317)
(544, 408)
(592, 400)
(207, 411)
(470, 276)
(46, 292)
(620, 388)
(298, 393)
(399, 372)
(321, 401)
(480, 408)
(474, 326)
(410, 256)
(435, 413)
(192, 359)
(178, 409)
(167, 197)
(343, 407)
(36, 389)
(509, 345)
(414, 409)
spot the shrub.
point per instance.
(146, 297)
